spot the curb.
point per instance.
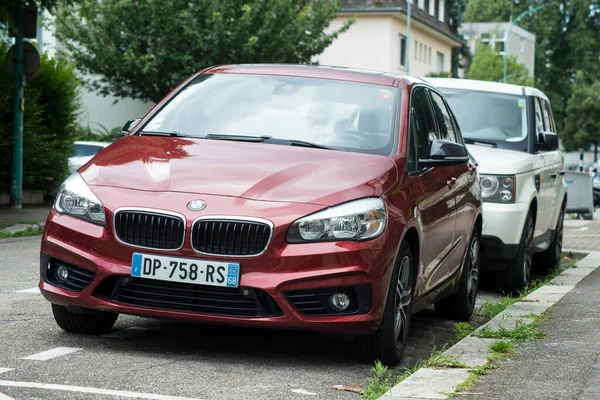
(430, 383)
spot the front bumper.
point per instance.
(281, 270)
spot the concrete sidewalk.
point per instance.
(565, 365)
(27, 214)
(581, 234)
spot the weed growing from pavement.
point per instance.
(26, 232)
(522, 331)
(502, 347)
(463, 329)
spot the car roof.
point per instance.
(100, 144)
(312, 71)
(484, 86)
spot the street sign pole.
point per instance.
(17, 164)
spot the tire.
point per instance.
(96, 323)
(388, 343)
(550, 258)
(461, 304)
(516, 276)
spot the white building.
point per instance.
(520, 43)
(378, 39)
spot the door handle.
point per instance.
(451, 182)
(553, 176)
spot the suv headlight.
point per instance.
(498, 188)
(357, 220)
(75, 198)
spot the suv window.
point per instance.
(445, 126)
(422, 126)
(539, 118)
(548, 121)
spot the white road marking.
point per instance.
(5, 397)
(124, 333)
(2, 370)
(302, 391)
(83, 389)
(57, 352)
(32, 290)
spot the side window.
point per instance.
(539, 119)
(548, 120)
(422, 124)
(444, 121)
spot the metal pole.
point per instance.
(17, 164)
(407, 52)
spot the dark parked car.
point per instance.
(312, 198)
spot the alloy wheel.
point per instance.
(473, 270)
(528, 251)
(403, 297)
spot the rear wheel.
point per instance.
(517, 274)
(388, 343)
(460, 305)
(94, 323)
(550, 258)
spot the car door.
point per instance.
(552, 162)
(464, 176)
(543, 174)
(435, 209)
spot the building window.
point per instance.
(440, 62)
(420, 51)
(499, 47)
(500, 35)
(421, 4)
(403, 50)
(427, 5)
(416, 50)
(485, 38)
(429, 57)
(436, 9)
(442, 11)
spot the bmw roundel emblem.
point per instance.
(196, 205)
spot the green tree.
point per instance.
(488, 66)
(8, 7)
(487, 11)
(582, 125)
(143, 49)
(461, 55)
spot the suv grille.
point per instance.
(174, 296)
(150, 229)
(230, 237)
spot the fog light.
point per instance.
(340, 301)
(506, 195)
(62, 274)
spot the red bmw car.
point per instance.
(314, 198)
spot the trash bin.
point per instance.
(580, 197)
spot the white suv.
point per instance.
(510, 132)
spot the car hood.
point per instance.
(256, 171)
(500, 161)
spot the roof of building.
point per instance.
(484, 86)
(399, 6)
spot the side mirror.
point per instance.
(444, 153)
(129, 125)
(547, 141)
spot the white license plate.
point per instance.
(188, 270)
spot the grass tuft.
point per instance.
(463, 329)
(522, 332)
(502, 347)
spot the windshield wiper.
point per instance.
(158, 133)
(267, 139)
(478, 141)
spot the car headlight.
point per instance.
(75, 198)
(357, 220)
(498, 188)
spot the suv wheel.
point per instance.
(550, 258)
(94, 323)
(517, 274)
(388, 343)
(460, 305)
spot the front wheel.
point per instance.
(460, 305)
(517, 274)
(550, 258)
(94, 323)
(388, 343)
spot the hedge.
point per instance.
(52, 104)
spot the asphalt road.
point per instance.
(152, 359)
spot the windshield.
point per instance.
(336, 114)
(85, 150)
(495, 118)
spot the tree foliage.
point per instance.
(461, 55)
(51, 109)
(143, 48)
(582, 124)
(489, 66)
(8, 7)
